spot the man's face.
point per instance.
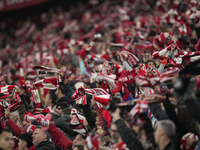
(157, 134)
(6, 141)
(151, 65)
(114, 133)
(78, 140)
(59, 111)
(13, 117)
(38, 137)
(21, 144)
(47, 100)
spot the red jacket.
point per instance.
(59, 138)
(14, 127)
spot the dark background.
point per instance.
(37, 9)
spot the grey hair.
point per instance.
(48, 137)
(15, 113)
(169, 127)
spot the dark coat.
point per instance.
(46, 145)
(127, 136)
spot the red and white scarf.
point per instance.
(130, 58)
(154, 80)
(6, 91)
(93, 141)
(140, 108)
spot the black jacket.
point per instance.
(169, 146)
(127, 136)
(46, 145)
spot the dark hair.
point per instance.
(53, 116)
(80, 147)
(5, 130)
(27, 137)
(184, 115)
(53, 96)
(63, 105)
(77, 107)
(61, 89)
(83, 136)
(67, 111)
(150, 60)
(62, 99)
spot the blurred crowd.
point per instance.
(105, 74)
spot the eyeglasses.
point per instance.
(110, 130)
(59, 108)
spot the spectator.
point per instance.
(6, 140)
(41, 139)
(25, 141)
(164, 134)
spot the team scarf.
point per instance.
(77, 121)
(136, 112)
(153, 98)
(7, 91)
(128, 77)
(130, 58)
(48, 83)
(142, 47)
(119, 86)
(93, 141)
(42, 71)
(170, 63)
(189, 56)
(155, 80)
(3, 106)
(183, 141)
(79, 95)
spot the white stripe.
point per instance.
(4, 89)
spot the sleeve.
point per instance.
(68, 93)
(127, 136)
(14, 127)
(62, 123)
(88, 115)
(127, 66)
(157, 111)
(82, 67)
(26, 100)
(59, 138)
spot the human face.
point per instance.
(157, 134)
(59, 111)
(7, 141)
(21, 144)
(78, 140)
(151, 65)
(47, 100)
(38, 137)
(114, 133)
